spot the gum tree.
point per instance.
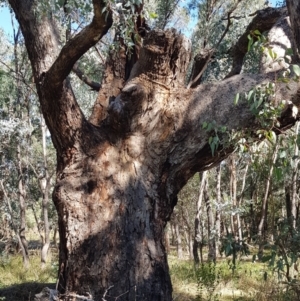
(119, 172)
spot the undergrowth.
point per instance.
(249, 281)
(12, 270)
(20, 284)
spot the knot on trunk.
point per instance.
(122, 108)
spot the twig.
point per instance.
(79, 297)
(20, 74)
(95, 86)
(215, 48)
(105, 293)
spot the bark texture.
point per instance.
(118, 174)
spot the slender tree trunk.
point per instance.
(55, 236)
(294, 186)
(210, 226)
(288, 205)
(16, 229)
(38, 224)
(178, 239)
(253, 219)
(239, 201)
(218, 212)
(235, 218)
(21, 185)
(173, 235)
(45, 187)
(191, 245)
(262, 223)
(188, 232)
(22, 204)
(167, 238)
(266, 193)
(198, 239)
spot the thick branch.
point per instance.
(51, 67)
(80, 44)
(263, 21)
(294, 9)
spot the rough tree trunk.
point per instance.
(118, 174)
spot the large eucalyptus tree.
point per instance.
(119, 172)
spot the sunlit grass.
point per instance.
(248, 281)
(13, 272)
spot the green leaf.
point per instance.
(204, 125)
(60, 3)
(289, 51)
(216, 140)
(296, 69)
(272, 137)
(236, 98)
(261, 99)
(250, 42)
(153, 15)
(278, 173)
(249, 95)
(223, 129)
(212, 147)
(257, 32)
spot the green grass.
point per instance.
(248, 282)
(12, 270)
(20, 284)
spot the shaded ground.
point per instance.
(24, 291)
